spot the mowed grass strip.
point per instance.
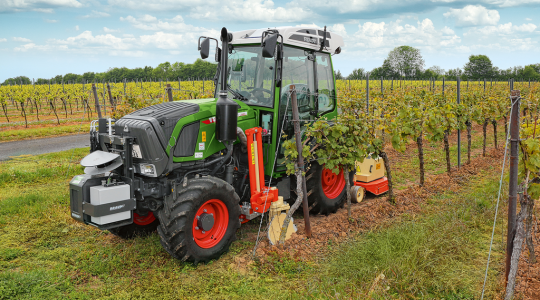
(44, 254)
(439, 254)
(10, 135)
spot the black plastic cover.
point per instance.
(164, 117)
(187, 140)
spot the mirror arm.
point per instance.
(323, 43)
(279, 58)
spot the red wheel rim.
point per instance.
(332, 184)
(211, 237)
(143, 220)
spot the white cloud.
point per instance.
(45, 6)
(506, 37)
(528, 19)
(161, 5)
(500, 30)
(254, 10)
(339, 29)
(96, 14)
(22, 40)
(77, 27)
(3, 40)
(473, 15)
(382, 37)
(108, 30)
(51, 21)
(176, 24)
(239, 10)
(86, 39)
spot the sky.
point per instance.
(45, 38)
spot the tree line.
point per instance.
(166, 70)
(407, 62)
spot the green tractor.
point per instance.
(195, 170)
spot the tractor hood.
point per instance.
(163, 118)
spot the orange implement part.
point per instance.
(256, 164)
(376, 187)
(261, 195)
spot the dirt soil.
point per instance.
(373, 212)
(528, 277)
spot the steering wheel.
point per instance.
(261, 89)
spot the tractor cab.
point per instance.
(263, 64)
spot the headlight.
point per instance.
(148, 170)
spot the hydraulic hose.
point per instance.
(224, 159)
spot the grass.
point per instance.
(44, 254)
(41, 132)
(440, 254)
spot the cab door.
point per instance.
(311, 74)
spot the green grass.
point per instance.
(407, 171)
(44, 254)
(40, 132)
(439, 255)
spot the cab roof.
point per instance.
(305, 37)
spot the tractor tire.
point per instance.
(326, 190)
(201, 223)
(141, 226)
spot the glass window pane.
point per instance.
(250, 76)
(325, 80)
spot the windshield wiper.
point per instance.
(236, 94)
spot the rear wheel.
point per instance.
(201, 223)
(326, 190)
(141, 226)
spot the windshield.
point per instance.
(250, 76)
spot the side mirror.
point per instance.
(204, 48)
(269, 45)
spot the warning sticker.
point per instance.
(204, 136)
(252, 154)
(201, 146)
(198, 154)
(378, 166)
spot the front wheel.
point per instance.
(141, 226)
(201, 223)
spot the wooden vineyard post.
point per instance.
(94, 91)
(298, 138)
(458, 131)
(513, 177)
(169, 92)
(367, 93)
(110, 96)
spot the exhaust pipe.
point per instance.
(226, 109)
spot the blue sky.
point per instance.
(45, 38)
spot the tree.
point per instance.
(17, 80)
(478, 67)
(405, 61)
(357, 74)
(530, 72)
(452, 74)
(338, 75)
(437, 70)
(384, 71)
